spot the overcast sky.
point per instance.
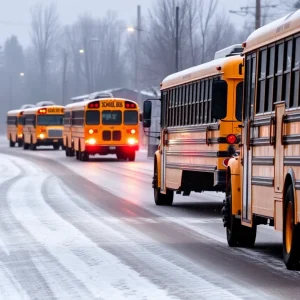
(17, 12)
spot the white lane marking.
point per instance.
(10, 288)
(102, 273)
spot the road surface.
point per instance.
(91, 230)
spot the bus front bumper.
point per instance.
(49, 142)
(104, 150)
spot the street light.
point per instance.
(22, 74)
(81, 51)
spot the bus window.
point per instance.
(239, 101)
(21, 120)
(111, 117)
(130, 117)
(92, 117)
(50, 120)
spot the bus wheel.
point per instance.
(20, 143)
(159, 198)
(11, 143)
(25, 146)
(77, 155)
(71, 152)
(55, 146)
(84, 156)
(32, 145)
(67, 150)
(120, 156)
(131, 156)
(237, 234)
(291, 233)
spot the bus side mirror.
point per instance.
(147, 111)
(219, 99)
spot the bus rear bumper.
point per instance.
(104, 150)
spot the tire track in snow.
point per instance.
(155, 262)
(26, 261)
(101, 272)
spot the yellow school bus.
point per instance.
(103, 126)
(15, 122)
(200, 117)
(43, 126)
(264, 181)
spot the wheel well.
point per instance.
(288, 181)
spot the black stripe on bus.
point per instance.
(201, 168)
(199, 128)
(292, 118)
(261, 122)
(215, 141)
(263, 160)
(297, 185)
(263, 141)
(199, 153)
(291, 139)
(262, 181)
(291, 161)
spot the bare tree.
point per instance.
(44, 30)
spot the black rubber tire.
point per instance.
(84, 156)
(11, 143)
(67, 151)
(32, 146)
(20, 143)
(120, 156)
(72, 152)
(25, 146)
(56, 146)
(291, 258)
(131, 156)
(77, 155)
(237, 234)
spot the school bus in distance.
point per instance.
(15, 122)
(43, 126)
(264, 181)
(200, 117)
(102, 126)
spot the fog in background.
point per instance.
(55, 50)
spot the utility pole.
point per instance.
(138, 55)
(177, 40)
(64, 75)
(245, 10)
(258, 14)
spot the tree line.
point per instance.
(98, 53)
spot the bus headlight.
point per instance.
(91, 141)
(132, 141)
(42, 136)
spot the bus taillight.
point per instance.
(91, 141)
(231, 139)
(132, 141)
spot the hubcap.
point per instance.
(289, 227)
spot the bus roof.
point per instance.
(273, 31)
(201, 71)
(14, 112)
(83, 104)
(33, 110)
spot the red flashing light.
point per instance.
(219, 68)
(231, 139)
(244, 45)
(94, 104)
(130, 105)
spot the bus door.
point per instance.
(163, 141)
(249, 95)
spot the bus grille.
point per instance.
(106, 135)
(55, 133)
(117, 135)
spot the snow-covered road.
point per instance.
(74, 230)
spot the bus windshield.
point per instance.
(111, 117)
(130, 117)
(50, 120)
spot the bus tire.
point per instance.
(32, 145)
(20, 143)
(120, 156)
(77, 155)
(67, 151)
(11, 143)
(291, 233)
(55, 146)
(25, 146)
(71, 152)
(131, 156)
(84, 156)
(159, 198)
(237, 234)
